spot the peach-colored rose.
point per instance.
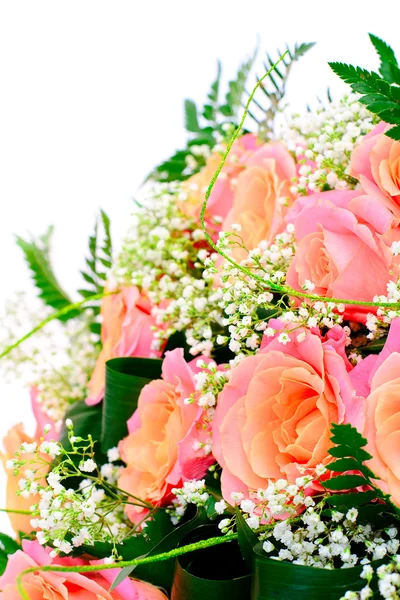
(262, 195)
(339, 235)
(12, 442)
(221, 199)
(377, 160)
(159, 449)
(67, 586)
(276, 411)
(126, 331)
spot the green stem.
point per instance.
(52, 317)
(125, 563)
(269, 284)
(17, 512)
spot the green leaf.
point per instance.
(205, 574)
(280, 580)
(191, 120)
(162, 574)
(389, 67)
(351, 500)
(236, 89)
(394, 133)
(350, 464)
(3, 561)
(8, 544)
(37, 255)
(246, 537)
(344, 451)
(344, 482)
(347, 434)
(100, 251)
(125, 378)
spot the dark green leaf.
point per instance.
(394, 133)
(346, 434)
(162, 574)
(389, 67)
(213, 573)
(246, 537)
(350, 464)
(8, 544)
(37, 255)
(351, 500)
(3, 562)
(125, 378)
(344, 482)
(344, 451)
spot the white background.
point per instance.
(91, 99)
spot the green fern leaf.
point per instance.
(191, 120)
(37, 256)
(389, 68)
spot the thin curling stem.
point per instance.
(269, 284)
(125, 563)
(56, 315)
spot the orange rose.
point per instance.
(261, 196)
(276, 411)
(12, 442)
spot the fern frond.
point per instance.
(37, 256)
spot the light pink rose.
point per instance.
(67, 586)
(126, 331)
(159, 450)
(376, 161)
(339, 235)
(276, 411)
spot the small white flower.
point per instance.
(247, 506)
(268, 546)
(220, 507)
(224, 523)
(113, 454)
(88, 466)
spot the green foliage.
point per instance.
(37, 256)
(100, 259)
(204, 125)
(380, 92)
(350, 454)
(389, 68)
(7, 546)
(125, 379)
(246, 537)
(275, 86)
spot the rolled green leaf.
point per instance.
(280, 580)
(125, 378)
(213, 573)
(247, 539)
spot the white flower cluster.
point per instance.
(378, 324)
(192, 492)
(246, 303)
(314, 541)
(165, 255)
(58, 361)
(388, 581)
(323, 141)
(280, 500)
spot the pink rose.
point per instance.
(261, 195)
(67, 586)
(339, 235)
(276, 411)
(377, 377)
(126, 331)
(377, 161)
(159, 450)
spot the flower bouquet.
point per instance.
(219, 415)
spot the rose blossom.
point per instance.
(12, 443)
(377, 377)
(67, 586)
(126, 331)
(339, 234)
(376, 161)
(221, 198)
(159, 449)
(262, 190)
(276, 411)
